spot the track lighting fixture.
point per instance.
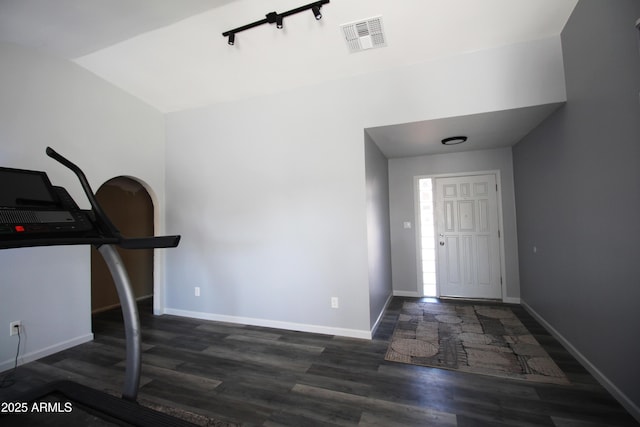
(316, 12)
(277, 18)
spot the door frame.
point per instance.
(418, 230)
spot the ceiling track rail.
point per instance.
(277, 18)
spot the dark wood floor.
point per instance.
(269, 377)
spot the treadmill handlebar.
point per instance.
(103, 220)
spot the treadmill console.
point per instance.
(30, 205)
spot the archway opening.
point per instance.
(130, 208)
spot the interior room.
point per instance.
(288, 156)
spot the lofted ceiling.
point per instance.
(171, 54)
(73, 28)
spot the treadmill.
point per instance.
(33, 212)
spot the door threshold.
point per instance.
(467, 299)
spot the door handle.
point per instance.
(441, 243)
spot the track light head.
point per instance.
(232, 39)
(275, 17)
(316, 12)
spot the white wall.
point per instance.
(51, 102)
(269, 193)
(402, 189)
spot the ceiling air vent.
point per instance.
(364, 34)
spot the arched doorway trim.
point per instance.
(158, 255)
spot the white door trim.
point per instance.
(416, 203)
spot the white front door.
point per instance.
(468, 237)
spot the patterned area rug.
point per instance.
(480, 339)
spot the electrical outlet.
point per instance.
(197, 291)
(14, 327)
(334, 302)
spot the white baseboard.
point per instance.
(624, 400)
(413, 294)
(511, 300)
(44, 352)
(292, 326)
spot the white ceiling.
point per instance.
(73, 28)
(171, 54)
(485, 131)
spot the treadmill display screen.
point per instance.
(24, 189)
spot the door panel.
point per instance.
(453, 259)
(468, 242)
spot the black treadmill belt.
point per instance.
(89, 407)
(80, 415)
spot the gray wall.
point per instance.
(577, 179)
(401, 185)
(378, 238)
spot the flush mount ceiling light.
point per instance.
(454, 140)
(277, 18)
